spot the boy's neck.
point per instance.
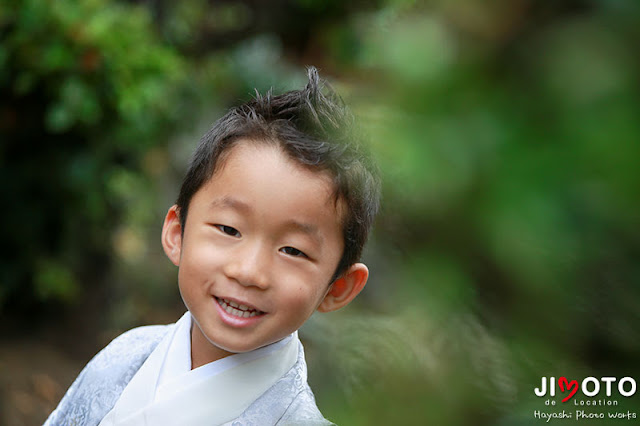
(202, 351)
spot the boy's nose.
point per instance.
(249, 265)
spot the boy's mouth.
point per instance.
(239, 310)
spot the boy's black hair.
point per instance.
(314, 127)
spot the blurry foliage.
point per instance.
(507, 133)
(509, 143)
(87, 89)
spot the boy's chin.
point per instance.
(242, 348)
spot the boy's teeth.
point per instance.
(242, 311)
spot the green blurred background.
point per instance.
(507, 132)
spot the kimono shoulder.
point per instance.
(99, 385)
(304, 411)
(289, 401)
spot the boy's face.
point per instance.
(261, 242)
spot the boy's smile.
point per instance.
(261, 242)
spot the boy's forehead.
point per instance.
(246, 158)
(234, 155)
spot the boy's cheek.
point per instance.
(201, 256)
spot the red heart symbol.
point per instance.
(563, 381)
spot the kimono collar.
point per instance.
(163, 393)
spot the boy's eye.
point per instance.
(291, 251)
(229, 230)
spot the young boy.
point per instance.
(269, 226)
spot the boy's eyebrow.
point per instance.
(306, 228)
(231, 202)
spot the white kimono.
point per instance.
(144, 377)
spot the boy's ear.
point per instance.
(172, 235)
(343, 290)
